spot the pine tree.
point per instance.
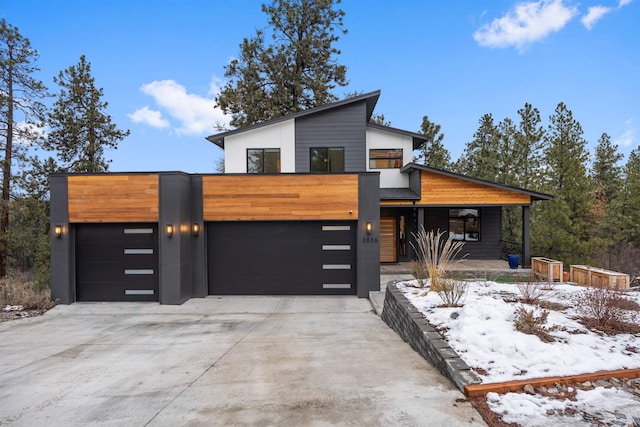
(295, 72)
(21, 114)
(606, 174)
(606, 171)
(529, 148)
(433, 153)
(563, 226)
(80, 128)
(481, 155)
(520, 162)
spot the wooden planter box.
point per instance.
(547, 269)
(591, 276)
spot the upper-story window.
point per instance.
(327, 159)
(263, 160)
(464, 224)
(385, 159)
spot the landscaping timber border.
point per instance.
(480, 390)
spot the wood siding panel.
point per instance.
(444, 190)
(113, 198)
(343, 127)
(388, 252)
(280, 197)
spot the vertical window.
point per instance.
(263, 160)
(327, 160)
(385, 159)
(464, 224)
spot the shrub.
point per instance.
(527, 322)
(534, 293)
(451, 291)
(605, 306)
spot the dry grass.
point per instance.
(436, 253)
(15, 292)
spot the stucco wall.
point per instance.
(278, 135)
(379, 139)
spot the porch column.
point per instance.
(526, 255)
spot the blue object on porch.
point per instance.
(514, 261)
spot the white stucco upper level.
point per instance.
(278, 135)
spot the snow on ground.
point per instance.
(483, 333)
(533, 411)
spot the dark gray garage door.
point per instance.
(117, 262)
(282, 258)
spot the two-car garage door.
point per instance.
(119, 262)
(281, 258)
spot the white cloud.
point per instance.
(526, 23)
(628, 135)
(194, 113)
(594, 14)
(623, 3)
(149, 117)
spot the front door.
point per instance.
(388, 241)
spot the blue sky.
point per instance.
(161, 62)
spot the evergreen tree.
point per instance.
(606, 174)
(21, 114)
(630, 198)
(80, 127)
(295, 72)
(520, 163)
(529, 146)
(606, 171)
(563, 229)
(433, 153)
(481, 155)
(379, 119)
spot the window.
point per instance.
(263, 160)
(464, 224)
(327, 159)
(385, 159)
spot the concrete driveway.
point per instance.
(219, 361)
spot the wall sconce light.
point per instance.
(196, 229)
(57, 230)
(170, 230)
(369, 227)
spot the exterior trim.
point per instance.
(534, 195)
(370, 98)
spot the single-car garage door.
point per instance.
(116, 262)
(282, 258)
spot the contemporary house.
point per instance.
(309, 203)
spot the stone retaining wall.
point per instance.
(411, 325)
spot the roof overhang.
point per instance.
(410, 167)
(370, 99)
(418, 139)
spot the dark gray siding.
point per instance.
(368, 245)
(341, 127)
(175, 251)
(490, 230)
(63, 264)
